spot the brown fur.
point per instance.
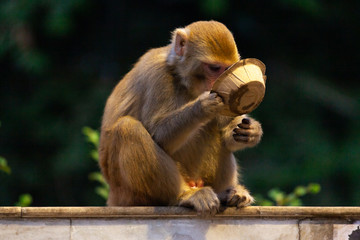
(161, 127)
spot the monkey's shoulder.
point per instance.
(152, 70)
(154, 59)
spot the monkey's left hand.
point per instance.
(248, 131)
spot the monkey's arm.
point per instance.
(172, 130)
(242, 132)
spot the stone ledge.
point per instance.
(348, 213)
(176, 223)
(10, 212)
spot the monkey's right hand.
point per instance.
(203, 200)
(211, 103)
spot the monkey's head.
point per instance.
(200, 53)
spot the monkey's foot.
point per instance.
(238, 196)
(203, 200)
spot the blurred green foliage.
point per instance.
(93, 136)
(4, 166)
(25, 200)
(215, 8)
(17, 20)
(280, 198)
(59, 61)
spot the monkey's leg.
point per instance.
(226, 185)
(139, 172)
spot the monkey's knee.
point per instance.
(128, 126)
(128, 122)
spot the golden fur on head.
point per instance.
(208, 42)
(211, 38)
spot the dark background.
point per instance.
(59, 61)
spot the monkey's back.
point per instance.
(139, 89)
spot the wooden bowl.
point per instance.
(242, 86)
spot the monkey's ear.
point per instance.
(179, 41)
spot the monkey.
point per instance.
(163, 141)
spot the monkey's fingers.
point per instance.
(245, 123)
(234, 200)
(241, 131)
(217, 98)
(211, 208)
(239, 197)
(241, 138)
(245, 200)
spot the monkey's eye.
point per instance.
(214, 68)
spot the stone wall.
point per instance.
(175, 223)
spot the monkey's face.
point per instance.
(211, 73)
(201, 52)
(203, 76)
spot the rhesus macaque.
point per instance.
(163, 141)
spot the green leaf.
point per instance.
(25, 200)
(314, 188)
(97, 176)
(266, 202)
(295, 202)
(103, 192)
(277, 195)
(300, 191)
(289, 198)
(4, 166)
(92, 136)
(95, 155)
